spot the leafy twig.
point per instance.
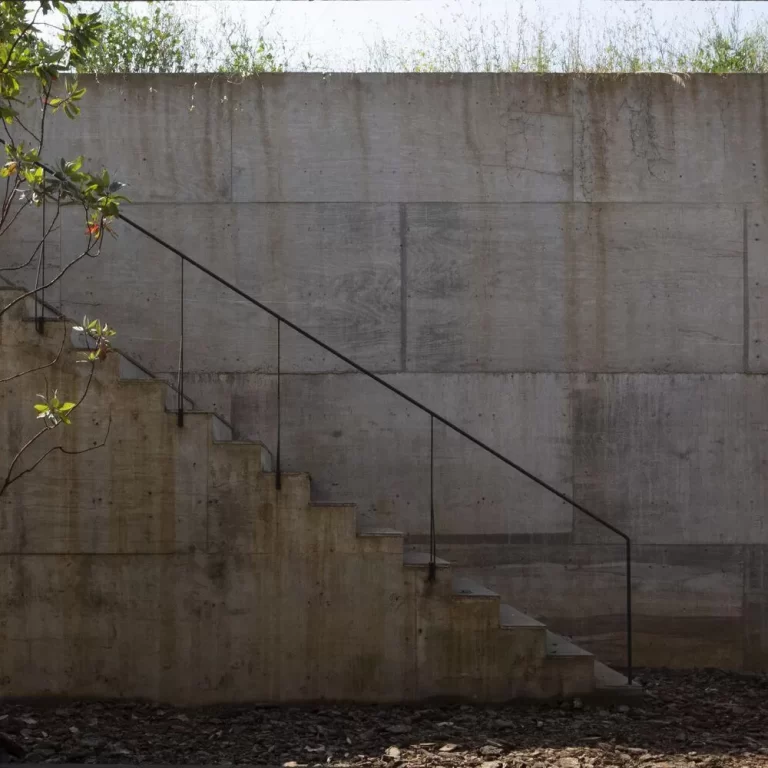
(40, 367)
(62, 272)
(9, 482)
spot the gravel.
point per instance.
(691, 719)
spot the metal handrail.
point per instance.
(433, 414)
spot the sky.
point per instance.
(326, 27)
(340, 34)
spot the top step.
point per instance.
(463, 587)
(511, 618)
(561, 648)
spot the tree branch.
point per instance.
(22, 34)
(17, 267)
(5, 227)
(40, 367)
(9, 479)
(60, 448)
(19, 454)
(86, 252)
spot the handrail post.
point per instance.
(629, 611)
(180, 388)
(432, 537)
(432, 414)
(278, 483)
(40, 280)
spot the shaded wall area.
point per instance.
(571, 268)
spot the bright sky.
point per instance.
(343, 28)
(339, 34)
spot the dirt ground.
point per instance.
(684, 720)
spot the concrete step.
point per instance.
(560, 647)
(240, 453)
(422, 560)
(148, 391)
(221, 432)
(338, 523)
(416, 572)
(467, 589)
(295, 487)
(611, 685)
(511, 618)
(567, 670)
(374, 539)
(32, 307)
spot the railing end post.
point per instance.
(630, 670)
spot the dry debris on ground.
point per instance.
(699, 719)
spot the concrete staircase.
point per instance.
(167, 566)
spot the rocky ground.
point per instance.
(685, 720)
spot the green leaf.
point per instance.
(41, 407)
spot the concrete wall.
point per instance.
(166, 565)
(571, 268)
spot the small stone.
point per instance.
(539, 723)
(117, 750)
(7, 744)
(491, 764)
(490, 751)
(392, 753)
(449, 747)
(568, 762)
(290, 764)
(403, 728)
(577, 704)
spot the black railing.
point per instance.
(432, 414)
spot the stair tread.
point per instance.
(511, 617)
(239, 442)
(414, 559)
(463, 587)
(607, 678)
(561, 647)
(371, 531)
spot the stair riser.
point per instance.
(183, 574)
(564, 677)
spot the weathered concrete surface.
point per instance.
(378, 138)
(756, 279)
(441, 228)
(690, 604)
(653, 139)
(169, 137)
(363, 426)
(674, 459)
(556, 287)
(143, 493)
(165, 565)
(22, 250)
(334, 270)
